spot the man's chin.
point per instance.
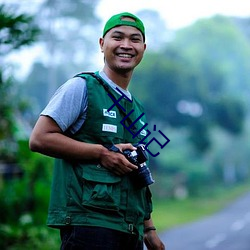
(124, 68)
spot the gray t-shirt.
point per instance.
(68, 106)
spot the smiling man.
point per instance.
(95, 202)
(123, 44)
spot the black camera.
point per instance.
(142, 176)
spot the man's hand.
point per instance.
(152, 241)
(116, 162)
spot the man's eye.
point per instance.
(117, 37)
(136, 40)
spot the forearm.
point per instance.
(60, 146)
(47, 138)
(148, 224)
(151, 239)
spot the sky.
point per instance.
(176, 13)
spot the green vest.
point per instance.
(86, 193)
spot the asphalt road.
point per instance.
(227, 230)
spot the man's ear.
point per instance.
(101, 41)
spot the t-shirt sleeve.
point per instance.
(68, 105)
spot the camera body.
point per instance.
(142, 177)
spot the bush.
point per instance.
(24, 204)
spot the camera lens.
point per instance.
(144, 176)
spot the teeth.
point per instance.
(125, 55)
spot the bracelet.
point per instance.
(147, 229)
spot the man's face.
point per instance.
(123, 48)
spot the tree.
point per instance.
(156, 38)
(192, 76)
(197, 90)
(69, 34)
(69, 39)
(16, 31)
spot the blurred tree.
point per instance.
(69, 39)
(16, 31)
(155, 38)
(37, 81)
(229, 114)
(217, 47)
(185, 84)
(69, 33)
(7, 105)
(243, 24)
(197, 88)
(223, 67)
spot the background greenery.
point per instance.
(194, 83)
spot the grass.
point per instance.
(170, 213)
(167, 214)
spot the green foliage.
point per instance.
(8, 106)
(196, 89)
(38, 80)
(66, 47)
(24, 203)
(29, 193)
(192, 76)
(199, 135)
(230, 113)
(76, 9)
(219, 49)
(68, 43)
(170, 213)
(24, 235)
(15, 30)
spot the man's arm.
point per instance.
(151, 239)
(47, 138)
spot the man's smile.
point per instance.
(123, 55)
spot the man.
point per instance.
(95, 202)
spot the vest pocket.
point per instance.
(101, 188)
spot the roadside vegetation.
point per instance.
(194, 83)
(171, 213)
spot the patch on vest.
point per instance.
(109, 128)
(111, 113)
(143, 132)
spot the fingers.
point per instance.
(121, 165)
(117, 163)
(153, 242)
(123, 146)
(120, 170)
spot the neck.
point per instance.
(122, 79)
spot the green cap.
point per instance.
(117, 20)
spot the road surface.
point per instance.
(227, 230)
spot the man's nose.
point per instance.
(126, 44)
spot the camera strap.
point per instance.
(112, 147)
(107, 88)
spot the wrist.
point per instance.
(147, 229)
(102, 152)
